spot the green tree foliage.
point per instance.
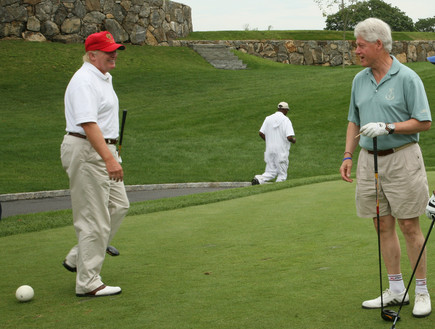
(425, 25)
(393, 16)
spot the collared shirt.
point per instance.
(90, 97)
(398, 97)
(276, 128)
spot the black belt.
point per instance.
(108, 140)
(391, 151)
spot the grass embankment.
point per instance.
(187, 122)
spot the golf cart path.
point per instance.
(35, 202)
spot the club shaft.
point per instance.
(121, 135)
(415, 267)
(375, 159)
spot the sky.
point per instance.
(222, 15)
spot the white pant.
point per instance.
(98, 204)
(276, 167)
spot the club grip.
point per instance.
(121, 135)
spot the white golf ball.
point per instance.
(24, 293)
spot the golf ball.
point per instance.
(24, 293)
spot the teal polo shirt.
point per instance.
(398, 97)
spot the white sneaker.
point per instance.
(102, 291)
(389, 298)
(422, 306)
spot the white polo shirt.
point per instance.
(90, 97)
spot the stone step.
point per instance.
(219, 56)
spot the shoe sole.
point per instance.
(94, 296)
(421, 315)
(386, 305)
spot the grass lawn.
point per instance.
(187, 122)
(293, 258)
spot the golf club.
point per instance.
(121, 135)
(413, 273)
(387, 315)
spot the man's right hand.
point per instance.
(345, 170)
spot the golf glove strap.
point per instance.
(374, 129)
(430, 208)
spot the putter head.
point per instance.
(389, 315)
(112, 251)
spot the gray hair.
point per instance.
(86, 58)
(373, 29)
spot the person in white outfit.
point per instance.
(89, 156)
(277, 131)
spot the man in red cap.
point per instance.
(89, 156)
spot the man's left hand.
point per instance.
(374, 129)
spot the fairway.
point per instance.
(293, 258)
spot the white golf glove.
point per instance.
(374, 129)
(430, 208)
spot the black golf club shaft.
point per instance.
(413, 272)
(375, 159)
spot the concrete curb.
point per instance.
(150, 187)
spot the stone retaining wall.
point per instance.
(326, 53)
(153, 22)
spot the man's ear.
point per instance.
(379, 44)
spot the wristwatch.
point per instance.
(390, 128)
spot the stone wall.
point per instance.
(153, 22)
(326, 53)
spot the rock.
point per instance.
(34, 36)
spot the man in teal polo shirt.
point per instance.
(388, 101)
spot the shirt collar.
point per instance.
(394, 69)
(96, 71)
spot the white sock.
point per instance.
(421, 286)
(396, 283)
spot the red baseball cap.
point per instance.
(103, 41)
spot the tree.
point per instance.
(425, 25)
(393, 16)
(344, 14)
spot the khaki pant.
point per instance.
(98, 204)
(403, 187)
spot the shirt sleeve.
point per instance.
(353, 115)
(84, 103)
(416, 99)
(289, 129)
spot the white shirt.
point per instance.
(90, 97)
(277, 127)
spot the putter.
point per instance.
(387, 315)
(413, 273)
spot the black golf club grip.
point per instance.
(124, 117)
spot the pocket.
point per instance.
(413, 160)
(65, 155)
(91, 155)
